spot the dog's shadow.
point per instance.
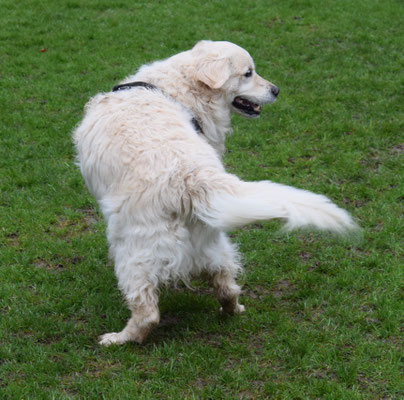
(188, 314)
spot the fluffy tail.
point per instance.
(246, 202)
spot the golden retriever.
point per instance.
(150, 152)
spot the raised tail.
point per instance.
(240, 203)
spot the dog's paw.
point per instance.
(112, 338)
(239, 309)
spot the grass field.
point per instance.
(323, 315)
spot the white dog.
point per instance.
(150, 152)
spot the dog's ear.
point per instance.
(213, 72)
(210, 67)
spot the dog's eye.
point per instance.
(248, 73)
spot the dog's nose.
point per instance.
(275, 90)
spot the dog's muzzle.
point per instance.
(248, 108)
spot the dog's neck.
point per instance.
(209, 108)
(213, 115)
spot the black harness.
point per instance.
(130, 85)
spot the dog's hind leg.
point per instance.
(143, 303)
(224, 279)
(227, 292)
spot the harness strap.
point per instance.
(130, 85)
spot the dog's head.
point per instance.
(227, 68)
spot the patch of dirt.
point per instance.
(256, 346)
(45, 264)
(373, 160)
(213, 339)
(89, 215)
(68, 228)
(273, 21)
(281, 288)
(200, 383)
(314, 266)
(13, 239)
(304, 256)
(396, 341)
(323, 374)
(398, 149)
(363, 381)
(356, 203)
(56, 265)
(256, 292)
(247, 395)
(168, 320)
(251, 227)
(5, 310)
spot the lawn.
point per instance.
(323, 314)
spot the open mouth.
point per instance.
(246, 107)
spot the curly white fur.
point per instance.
(162, 187)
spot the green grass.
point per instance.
(323, 315)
